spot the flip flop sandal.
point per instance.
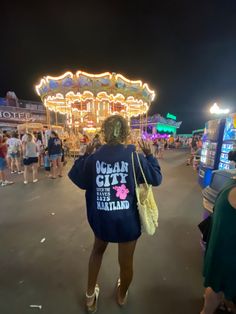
(93, 307)
(126, 295)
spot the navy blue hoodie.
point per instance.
(107, 176)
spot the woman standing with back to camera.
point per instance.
(30, 160)
(55, 154)
(108, 179)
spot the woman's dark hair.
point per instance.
(115, 130)
(54, 133)
(232, 155)
(39, 136)
(14, 134)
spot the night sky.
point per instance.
(184, 50)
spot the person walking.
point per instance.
(6, 136)
(30, 158)
(108, 179)
(220, 258)
(55, 154)
(3, 163)
(156, 148)
(193, 151)
(14, 152)
(39, 143)
(160, 149)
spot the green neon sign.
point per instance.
(171, 116)
(166, 128)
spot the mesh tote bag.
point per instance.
(147, 207)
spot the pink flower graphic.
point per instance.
(121, 191)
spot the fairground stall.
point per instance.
(156, 126)
(218, 140)
(86, 100)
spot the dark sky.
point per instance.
(184, 50)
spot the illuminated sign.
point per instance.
(13, 115)
(171, 116)
(20, 116)
(166, 128)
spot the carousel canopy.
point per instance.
(105, 93)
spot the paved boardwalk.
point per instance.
(53, 273)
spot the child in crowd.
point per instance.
(47, 163)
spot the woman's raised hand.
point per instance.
(146, 148)
(90, 149)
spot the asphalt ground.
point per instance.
(53, 274)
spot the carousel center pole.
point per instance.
(56, 118)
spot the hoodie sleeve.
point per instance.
(81, 172)
(151, 169)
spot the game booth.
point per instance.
(219, 139)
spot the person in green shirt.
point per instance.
(220, 258)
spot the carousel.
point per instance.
(86, 100)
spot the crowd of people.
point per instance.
(21, 155)
(195, 143)
(28, 153)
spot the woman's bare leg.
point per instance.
(12, 164)
(17, 160)
(35, 171)
(26, 173)
(54, 168)
(60, 166)
(8, 159)
(95, 262)
(125, 255)
(2, 176)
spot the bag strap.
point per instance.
(141, 169)
(135, 178)
(140, 166)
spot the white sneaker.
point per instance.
(25, 182)
(35, 180)
(8, 182)
(20, 172)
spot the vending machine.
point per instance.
(229, 143)
(211, 150)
